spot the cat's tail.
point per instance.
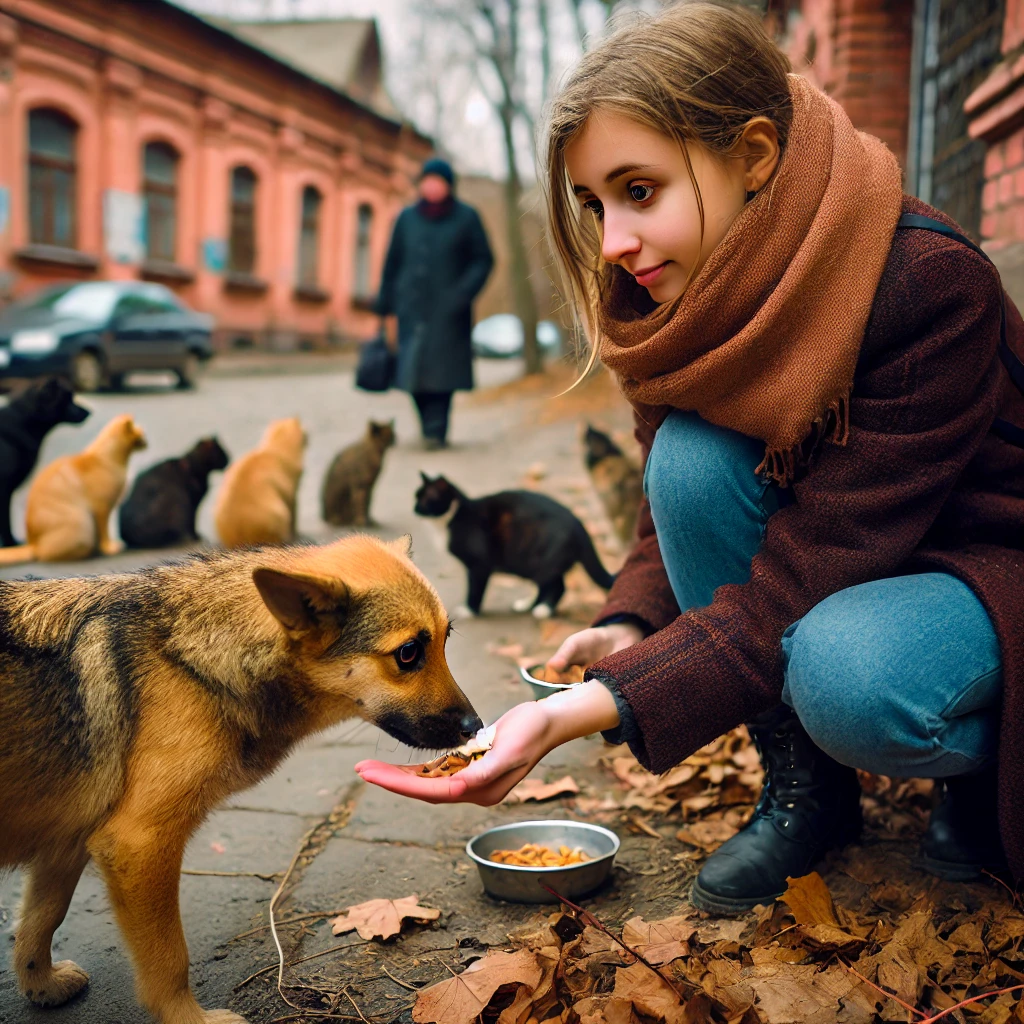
(17, 555)
(590, 561)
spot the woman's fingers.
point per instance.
(397, 779)
(578, 649)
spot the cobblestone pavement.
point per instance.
(387, 846)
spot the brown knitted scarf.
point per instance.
(766, 337)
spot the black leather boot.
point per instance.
(810, 804)
(962, 839)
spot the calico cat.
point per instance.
(348, 485)
(617, 479)
(161, 510)
(519, 532)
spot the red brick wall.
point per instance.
(860, 52)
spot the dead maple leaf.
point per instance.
(382, 918)
(708, 834)
(650, 995)
(809, 899)
(461, 999)
(534, 789)
(659, 942)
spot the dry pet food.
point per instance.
(573, 674)
(455, 760)
(534, 856)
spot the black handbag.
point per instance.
(375, 370)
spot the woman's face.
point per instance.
(635, 181)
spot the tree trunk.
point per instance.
(519, 265)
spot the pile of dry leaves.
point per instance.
(805, 960)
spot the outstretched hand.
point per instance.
(522, 736)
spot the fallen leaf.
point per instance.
(382, 918)
(650, 994)
(659, 942)
(513, 651)
(810, 901)
(461, 999)
(708, 834)
(218, 848)
(534, 789)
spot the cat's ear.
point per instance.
(426, 479)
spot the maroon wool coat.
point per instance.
(921, 486)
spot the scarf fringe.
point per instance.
(781, 465)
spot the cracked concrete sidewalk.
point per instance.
(389, 846)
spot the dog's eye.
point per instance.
(409, 656)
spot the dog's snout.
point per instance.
(470, 726)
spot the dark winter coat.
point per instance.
(434, 269)
(922, 485)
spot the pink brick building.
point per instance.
(138, 140)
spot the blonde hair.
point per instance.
(698, 72)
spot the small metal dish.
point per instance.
(522, 884)
(538, 686)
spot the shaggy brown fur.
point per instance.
(348, 485)
(130, 705)
(71, 499)
(618, 481)
(256, 503)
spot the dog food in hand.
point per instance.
(455, 760)
(533, 856)
(573, 674)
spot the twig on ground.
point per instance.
(233, 874)
(398, 981)
(639, 823)
(287, 920)
(878, 988)
(588, 918)
(345, 993)
(1014, 895)
(301, 960)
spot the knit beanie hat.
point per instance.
(443, 169)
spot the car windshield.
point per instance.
(93, 300)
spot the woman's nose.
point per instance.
(617, 239)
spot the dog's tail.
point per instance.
(17, 554)
(592, 563)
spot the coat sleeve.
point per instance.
(385, 304)
(479, 261)
(919, 411)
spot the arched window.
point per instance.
(242, 238)
(160, 194)
(309, 238)
(51, 178)
(364, 224)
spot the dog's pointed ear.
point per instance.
(298, 601)
(402, 546)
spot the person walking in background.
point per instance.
(437, 262)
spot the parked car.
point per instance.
(95, 332)
(501, 337)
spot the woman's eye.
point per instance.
(409, 656)
(595, 207)
(641, 193)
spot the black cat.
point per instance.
(519, 532)
(24, 422)
(161, 510)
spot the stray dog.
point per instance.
(131, 704)
(25, 421)
(256, 503)
(348, 486)
(161, 509)
(71, 500)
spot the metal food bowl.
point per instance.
(539, 687)
(522, 884)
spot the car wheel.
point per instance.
(87, 372)
(188, 372)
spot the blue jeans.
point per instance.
(899, 676)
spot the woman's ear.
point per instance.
(759, 149)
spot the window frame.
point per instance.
(363, 256)
(151, 187)
(41, 169)
(242, 219)
(308, 261)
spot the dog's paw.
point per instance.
(543, 611)
(522, 604)
(222, 1017)
(65, 980)
(111, 547)
(463, 612)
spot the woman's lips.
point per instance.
(645, 278)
